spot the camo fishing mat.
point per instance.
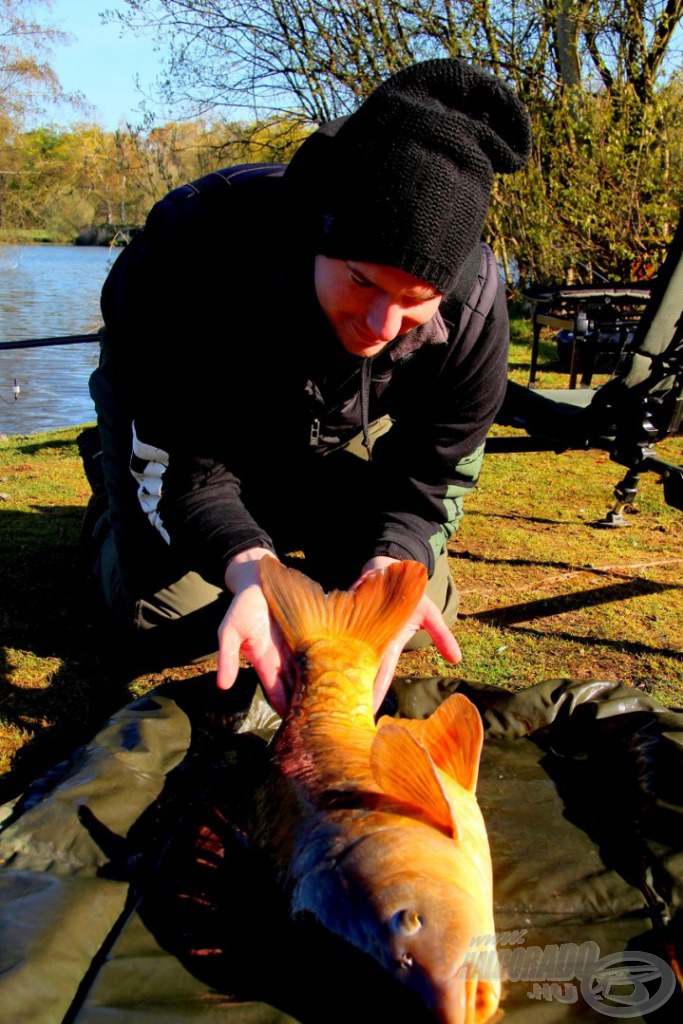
(129, 893)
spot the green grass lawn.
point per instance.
(547, 594)
(543, 593)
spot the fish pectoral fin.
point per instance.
(453, 735)
(404, 770)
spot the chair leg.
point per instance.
(625, 492)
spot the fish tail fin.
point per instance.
(297, 603)
(372, 613)
(381, 605)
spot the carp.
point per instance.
(374, 829)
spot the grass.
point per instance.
(543, 593)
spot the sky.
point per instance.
(100, 64)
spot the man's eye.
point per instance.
(360, 281)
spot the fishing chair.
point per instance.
(639, 406)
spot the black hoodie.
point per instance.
(225, 370)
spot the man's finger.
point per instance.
(444, 641)
(228, 660)
(448, 646)
(269, 667)
(277, 697)
(387, 667)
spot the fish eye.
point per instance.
(406, 922)
(405, 962)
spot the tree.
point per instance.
(602, 187)
(72, 182)
(26, 77)
(27, 82)
(318, 58)
(596, 201)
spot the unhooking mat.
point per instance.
(128, 894)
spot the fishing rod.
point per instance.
(67, 339)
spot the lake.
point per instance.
(48, 291)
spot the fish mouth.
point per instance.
(466, 999)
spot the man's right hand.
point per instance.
(248, 629)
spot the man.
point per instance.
(307, 361)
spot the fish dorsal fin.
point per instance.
(374, 612)
(453, 735)
(403, 768)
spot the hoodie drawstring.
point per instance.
(365, 384)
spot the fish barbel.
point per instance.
(375, 829)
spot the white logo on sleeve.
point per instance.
(148, 465)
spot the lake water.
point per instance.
(49, 291)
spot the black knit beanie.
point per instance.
(406, 180)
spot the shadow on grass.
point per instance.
(516, 517)
(630, 647)
(470, 556)
(41, 446)
(49, 610)
(60, 716)
(544, 607)
(528, 611)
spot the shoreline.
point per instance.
(104, 238)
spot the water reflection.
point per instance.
(48, 291)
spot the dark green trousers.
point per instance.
(178, 621)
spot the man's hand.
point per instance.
(426, 616)
(249, 629)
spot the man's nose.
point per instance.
(384, 318)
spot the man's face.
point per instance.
(369, 304)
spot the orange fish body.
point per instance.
(376, 828)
